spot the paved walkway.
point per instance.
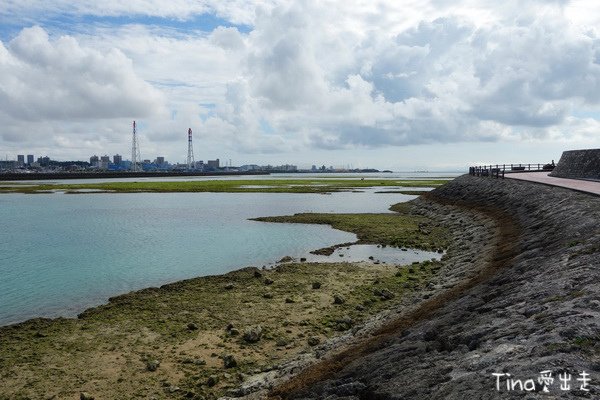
(542, 177)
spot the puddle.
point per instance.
(373, 254)
(71, 191)
(257, 187)
(280, 186)
(15, 185)
(402, 190)
(310, 184)
(89, 191)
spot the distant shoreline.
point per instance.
(255, 185)
(120, 174)
(36, 176)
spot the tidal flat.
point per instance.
(61, 254)
(202, 337)
(228, 186)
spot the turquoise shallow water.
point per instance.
(60, 254)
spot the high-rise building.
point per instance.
(20, 160)
(94, 160)
(213, 164)
(160, 160)
(30, 159)
(104, 161)
(117, 159)
(44, 161)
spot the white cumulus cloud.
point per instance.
(306, 75)
(42, 79)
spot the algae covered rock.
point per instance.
(212, 380)
(384, 294)
(338, 299)
(152, 365)
(229, 361)
(313, 341)
(253, 334)
(192, 326)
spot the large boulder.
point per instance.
(253, 334)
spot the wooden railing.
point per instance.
(498, 170)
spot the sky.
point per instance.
(399, 84)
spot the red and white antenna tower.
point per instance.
(190, 157)
(136, 159)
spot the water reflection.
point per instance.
(375, 254)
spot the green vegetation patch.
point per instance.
(396, 229)
(230, 186)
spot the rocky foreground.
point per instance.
(514, 313)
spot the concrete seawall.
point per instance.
(534, 306)
(578, 164)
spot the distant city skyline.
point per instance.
(103, 161)
(397, 85)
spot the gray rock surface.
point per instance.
(527, 304)
(578, 164)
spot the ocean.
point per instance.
(60, 253)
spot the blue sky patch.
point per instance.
(74, 24)
(266, 127)
(210, 111)
(586, 114)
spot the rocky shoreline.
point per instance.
(470, 250)
(517, 295)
